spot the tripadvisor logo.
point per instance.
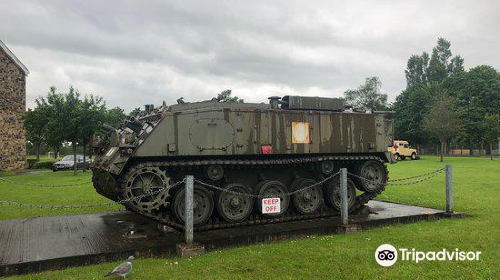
(387, 255)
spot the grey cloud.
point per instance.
(148, 51)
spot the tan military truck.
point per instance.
(402, 149)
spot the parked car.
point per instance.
(67, 163)
(402, 149)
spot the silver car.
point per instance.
(67, 163)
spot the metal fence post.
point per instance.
(188, 217)
(449, 189)
(343, 196)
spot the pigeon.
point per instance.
(123, 269)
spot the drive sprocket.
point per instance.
(146, 188)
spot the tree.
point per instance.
(68, 118)
(456, 65)
(135, 113)
(424, 83)
(438, 64)
(92, 114)
(411, 106)
(72, 129)
(416, 70)
(52, 105)
(368, 95)
(64, 111)
(114, 117)
(425, 70)
(477, 93)
(491, 125)
(442, 122)
(34, 123)
(225, 96)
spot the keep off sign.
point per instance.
(271, 205)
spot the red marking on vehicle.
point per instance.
(267, 149)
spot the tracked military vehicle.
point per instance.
(251, 150)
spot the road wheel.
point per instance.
(413, 156)
(234, 206)
(375, 174)
(203, 205)
(332, 194)
(274, 189)
(308, 200)
(327, 167)
(397, 157)
(214, 172)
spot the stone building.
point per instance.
(12, 106)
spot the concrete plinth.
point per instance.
(453, 215)
(189, 250)
(350, 228)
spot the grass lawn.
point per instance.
(476, 192)
(72, 195)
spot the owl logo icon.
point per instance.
(386, 255)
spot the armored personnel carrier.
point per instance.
(240, 153)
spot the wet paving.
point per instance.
(47, 243)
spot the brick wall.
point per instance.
(12, 107)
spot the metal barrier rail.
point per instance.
(426, 176)
(418, 176)
(262, 196)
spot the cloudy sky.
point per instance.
(138, 52)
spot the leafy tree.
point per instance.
(92, 114)
(66, 117)
(434, 69)
(416, 70)
(52, 105)
(34, 123)
(477, 93)
(456, 65)
(438, 64)
(492, 126)
(115, 116)
(411, 106)
(53, 139)
(70, 118)
(136, 112)
(442, 121)
(71, 126)
(424, 77)
(368, 95)
(225, 96)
